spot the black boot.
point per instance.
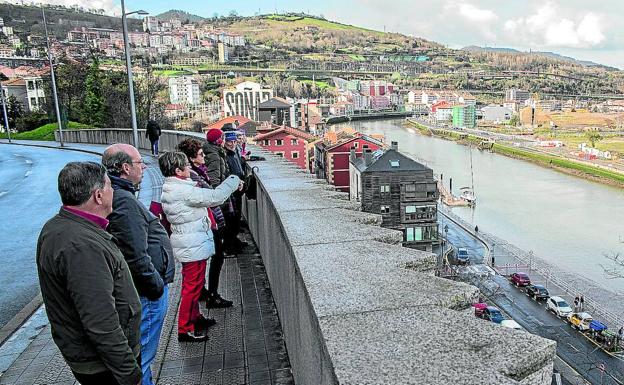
(215, 301)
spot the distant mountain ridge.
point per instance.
(180, 15)
(552, 55)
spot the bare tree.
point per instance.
(615, 270)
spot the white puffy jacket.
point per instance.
(185, 207)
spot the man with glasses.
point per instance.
(144, 244)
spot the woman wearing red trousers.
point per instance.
(185, 206)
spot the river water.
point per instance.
(569, 222)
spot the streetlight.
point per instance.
(135, 132)
(56, 103)
(6, 118)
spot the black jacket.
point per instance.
(152, 131)
(90, 300)
(235, 164)
(142, 240)
(214, 158)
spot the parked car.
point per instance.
(538, 292)
(492, 313)
(520, 279)
(509, 323)
(558, 306)
(580, 321)
(462, 256)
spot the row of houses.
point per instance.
(385, 182)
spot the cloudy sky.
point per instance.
(578, 28)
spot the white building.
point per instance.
(244, 99)
(35, 92)
(183, 90)
(516, 95)
(8, 31)
(150, 23)
(497, 114)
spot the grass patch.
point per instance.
(169, 73)
(45, 132)
(320, 84)
(548, 160)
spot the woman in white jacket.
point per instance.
(185, 206)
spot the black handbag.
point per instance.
(251, 184)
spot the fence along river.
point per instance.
(568, 222)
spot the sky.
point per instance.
(587, 30)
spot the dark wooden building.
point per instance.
(276, 111)
(403, 191)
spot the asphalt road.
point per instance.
(572, 347)
(28, 198)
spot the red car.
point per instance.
(520, 279)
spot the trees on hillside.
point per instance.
(94, 109)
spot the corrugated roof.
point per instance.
(289, 130)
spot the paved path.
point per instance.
(245, 347)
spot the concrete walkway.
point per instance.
(245, 347)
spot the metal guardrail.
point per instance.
(592, 306)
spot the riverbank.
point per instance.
(568, 166)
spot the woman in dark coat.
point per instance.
(192, 148)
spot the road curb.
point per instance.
(53, 147)
(20, 318)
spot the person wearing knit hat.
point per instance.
(231, 136)
(214, 135)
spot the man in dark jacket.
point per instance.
(152, 132)
(90, 300)
(144, 243)
(235, 167)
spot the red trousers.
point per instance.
(193, 280)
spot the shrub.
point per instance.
(31, 121)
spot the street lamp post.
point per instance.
(56, 103)
(6, 117)
(135, 132)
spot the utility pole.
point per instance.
(56, 103)
(6, 118)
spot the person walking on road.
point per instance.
(145, 246)
(185, 206)
(152, 133)
(90, 299)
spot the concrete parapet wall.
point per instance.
(355, 306)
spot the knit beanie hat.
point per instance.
(231, 135)
(214, 135)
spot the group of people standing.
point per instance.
(105, 261)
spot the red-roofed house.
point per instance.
(229, 120)
(289, 143)
(332, 160)
(442, 110)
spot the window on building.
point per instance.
(384, 209)
(267, 142)
(31, 85)
(385, 188)
(293, 142)
(33, 101)
(413, 234)
(279, 153)
(294, 154)
(41, 101)
(356, 144)
(279, 142)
